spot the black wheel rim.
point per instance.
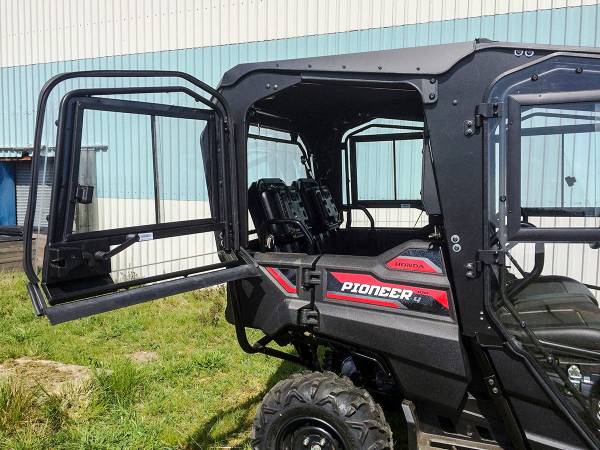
(309, 433)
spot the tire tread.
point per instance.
(352, 405)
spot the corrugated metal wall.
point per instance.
(22, 182)
(39, 38)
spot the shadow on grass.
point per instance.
(240, 416)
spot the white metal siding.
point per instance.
(38, 31)
(22, 179)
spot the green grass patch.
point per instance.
(199, 392)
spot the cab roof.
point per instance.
(426, 60)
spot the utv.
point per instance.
(401, 233)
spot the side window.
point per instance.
(389, 170)
(560, 159)
(386, 167)
(273, 154)
(553, 165)
(145, 171)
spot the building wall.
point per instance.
(40, 38)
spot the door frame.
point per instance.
(230, 268)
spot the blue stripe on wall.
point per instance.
(19, 86)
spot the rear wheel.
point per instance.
(319, 411)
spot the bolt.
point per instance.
(315, 447)
(379, 67)
(469, 123)
(455, 238)
(579, 70)
(306, 441)
(268, 86)
(491, 381)
(343, 67)
(503, 198)
(454, 102)
(456, 248)
(275, 86)
(469, 132)
(309, 66)
(495, 390)
(432, 80)
(432, 96)
(534, 77)
(322, 442)
(469, 266)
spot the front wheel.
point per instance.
(319, 411)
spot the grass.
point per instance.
(198, 391)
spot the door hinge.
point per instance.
(308, 318)
(486, 111)
(490, 257)
(311, 278)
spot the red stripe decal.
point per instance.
(439, 296)
(283, 282)
(349, 298)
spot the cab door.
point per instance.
(142, 196)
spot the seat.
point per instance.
(560, 311)
(322, 212)
(550, 289)
(280, 217)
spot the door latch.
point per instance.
(63, 260)
(84, 194)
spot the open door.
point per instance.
(149, 206)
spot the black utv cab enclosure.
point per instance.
(390, 256)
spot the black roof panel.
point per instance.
(428, 60)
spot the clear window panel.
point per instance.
(409, 161)
(389, 170)
(183, 192)
(268, 159)
(138, 180)
(560, 162)
(375, 170)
